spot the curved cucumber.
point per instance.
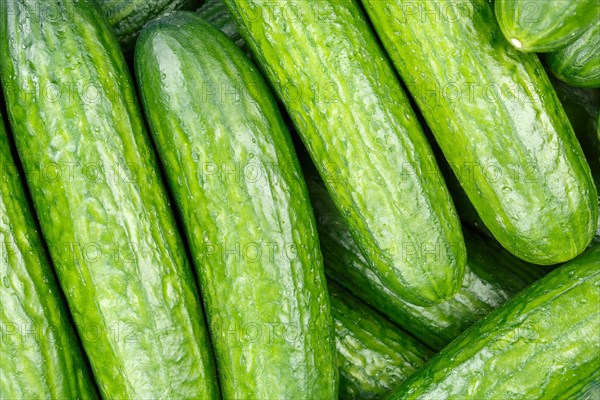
(128, 17)
(364, 138)
(40, 353)
(548, 25)
(492, 276)
(102, 207)
(374, 356)
(235, 176)
(578, 63)
(543, 344)
(499, 124)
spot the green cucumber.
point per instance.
(578, 63)
(546, 25)
(582, 106)
(40, 353)
(128, 17)
(492, 276)
(215, 12)
(359, 128)
(543, 344)
(499, 123)
(373, 355)
(102, 207)
(232, 168)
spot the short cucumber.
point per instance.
(232, 168)
(102, 207)
(374, 356)
(364, 137)
(578, 63)
(128, 17)
(499, 123)
(545, 25)
(40, 354)
(492, 276)
(543, 344)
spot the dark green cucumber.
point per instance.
(128, 17)
(499, 124)
(578, 63)
(102, 208)
(543, 344)
(235, 176)
(545, 25)
(364, 137)
(216, 13)
(374, 356)
(40, 354)
(492, 276)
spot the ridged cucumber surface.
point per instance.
(128, 17)
(235, 176)
(492, 276)
(40, 354)
(499, 123)
(543, 344)
(363, 136)
(374, 356)
(578, 63)
(545, 25)
(102, 207)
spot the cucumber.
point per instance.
(543, 344)
(373, 355)
(232, 168)
(360, 130)
(41, 355)
(215, 12)
(128, 17)
(102, 207)
(578, 63)
(499, 123)
(492, 276)
(543, 26)
(582, 106)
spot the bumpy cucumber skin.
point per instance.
(128, 17)
(543, 26)
(358, 126)
(284, 288)
(515, 154)
(492, 276)
(112, 237)
(543, 344)
(40, 353)
(374, 356)
(216, 13)
(578, 63)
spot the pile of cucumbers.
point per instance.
(293, 199)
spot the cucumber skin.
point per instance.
(374, 356)
(50, 364)
(279, 291)
(528, 348)
(358, 126)
(578, 64)
(128, 17)
(544, 26)
(143, 331)
(541, 191)
(492, 276)
(216, 13)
